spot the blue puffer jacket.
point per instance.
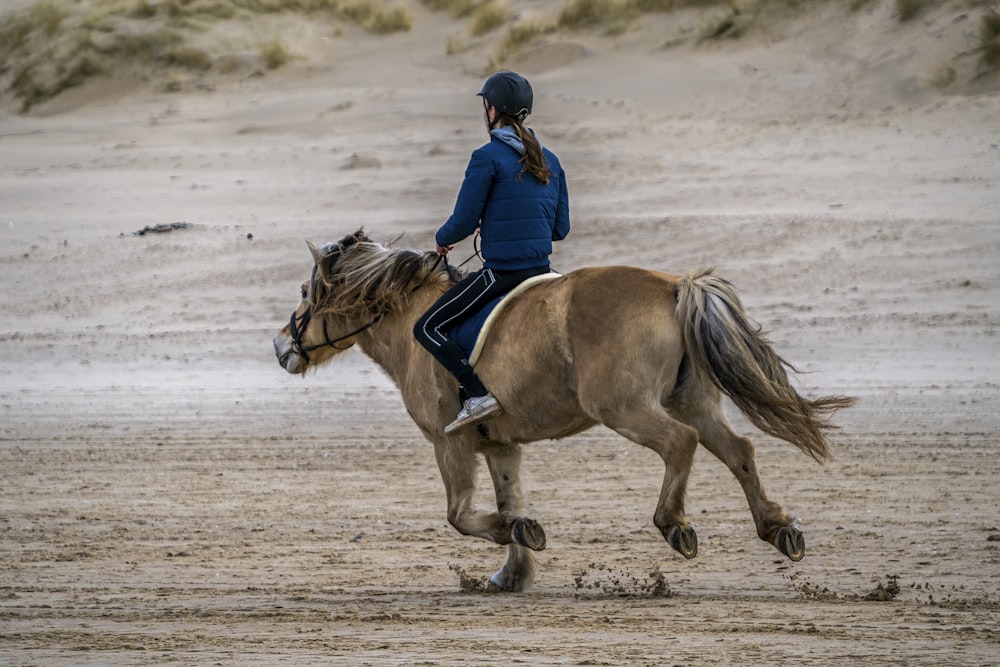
(518, 217)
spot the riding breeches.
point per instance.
(459, 303)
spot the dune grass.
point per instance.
(989, 35)
(51, 46)
(455, 8)
(488, 18)
(391, 19)
(610, 15)
(48, 16)
(516, 38)
(911, 9)
(275, 54)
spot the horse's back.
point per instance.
(622, 329)
(592, 306)
(599, 331)
(603, 292)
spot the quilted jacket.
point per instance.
(518, 216)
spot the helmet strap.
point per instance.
(491, 124)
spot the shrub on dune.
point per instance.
(989, 33)
(455, 8)
(909, 9)
(393, 19)
(275, 54)
(373, 17)
(578, 14)
(488, 18)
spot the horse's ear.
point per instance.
(360, 236)
(317, 256)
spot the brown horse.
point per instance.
(644, 353)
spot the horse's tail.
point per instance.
(739, 360)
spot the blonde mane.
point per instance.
(358, 275)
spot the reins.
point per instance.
(298, 325)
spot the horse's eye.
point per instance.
(305, 295)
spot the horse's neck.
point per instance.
(392, 346)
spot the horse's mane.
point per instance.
(360, 275)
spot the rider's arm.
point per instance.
(471, 200)
(561, 227)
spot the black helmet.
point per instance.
(509, 92)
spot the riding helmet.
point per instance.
(509, 92)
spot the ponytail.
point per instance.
(533, 160)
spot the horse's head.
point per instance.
(316, 332)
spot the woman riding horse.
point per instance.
(515, 194)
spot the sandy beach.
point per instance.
(172, 497)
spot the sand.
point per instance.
(171, 496)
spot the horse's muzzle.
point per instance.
(284, 350)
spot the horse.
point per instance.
(645, 353)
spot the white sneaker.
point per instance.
(474, 410)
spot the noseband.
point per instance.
(297, 325)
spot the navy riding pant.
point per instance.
(459, 303)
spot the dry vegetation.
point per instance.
(723, 19)
(52, 46)
(990, 34)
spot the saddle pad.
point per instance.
(471, 333)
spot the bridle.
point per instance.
(297, 324)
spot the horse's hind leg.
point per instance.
(675, 442)
(774, 526)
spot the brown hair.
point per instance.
(533, 160)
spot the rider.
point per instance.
(515, 194)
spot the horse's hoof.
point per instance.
(528, 533)
(499, 581)
(683, 539)
(790, 541)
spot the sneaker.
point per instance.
(474, 410)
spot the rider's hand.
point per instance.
(443, 249)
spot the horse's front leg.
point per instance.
(504, 462)
(458, 460)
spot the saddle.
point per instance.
(471, 334)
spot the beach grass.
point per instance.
(989, 35)
(488, 17)
(49, 47)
